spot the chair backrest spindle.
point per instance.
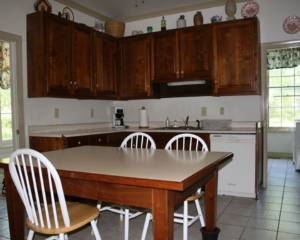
(187, 140)
(30, 172)
(139, 138)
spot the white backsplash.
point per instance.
(236, 108)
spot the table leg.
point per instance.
(15, 209)
(163, 211)
(210, 231)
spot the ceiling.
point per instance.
(136, 9)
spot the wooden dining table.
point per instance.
(158, 180)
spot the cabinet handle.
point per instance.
(75, 83)
(177, 74)
(99, 140)
(71, 82)
(182, 72)
(79, 142)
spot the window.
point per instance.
(5, 96)
(284, 87)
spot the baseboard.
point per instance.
(280, 155)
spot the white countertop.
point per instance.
(90, 129)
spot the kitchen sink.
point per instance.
(177, 128)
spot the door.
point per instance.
(11, 94)
(105, 55)
(58, 56)
(166, 59)
(196, 53)
(135, 67)
(236, 57)
(82, 61)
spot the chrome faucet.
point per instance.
(186, 122)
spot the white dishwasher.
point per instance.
(237, 178)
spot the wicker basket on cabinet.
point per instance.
(115, 28)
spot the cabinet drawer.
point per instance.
(98, 140)
(77, 141)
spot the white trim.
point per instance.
(16, 88)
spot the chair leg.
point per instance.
(95, 230)
(185, 220)
(30, 235)
(121, 214)
(126, 228)
(200, 214)
(146, 225)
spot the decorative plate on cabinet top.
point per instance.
(250, 9)
(291, 24)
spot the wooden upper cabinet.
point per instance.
(48, 56)
(236, 56)
(135, 66)
(82, 61)
(105, 58)
(166, 61)
(196, 53)
(183, 54)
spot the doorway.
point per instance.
(281, 99)
(11, 94)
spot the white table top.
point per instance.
(175, 166)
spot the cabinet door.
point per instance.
(58, 56)
(236, 57)
(166, 61)
(82, 61)
(135, 67)
(105, 66)
(196, 52)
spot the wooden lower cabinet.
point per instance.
(44, 144)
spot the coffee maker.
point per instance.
(118, 117)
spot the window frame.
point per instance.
(282, 88)
(265, 76)
(7, 144)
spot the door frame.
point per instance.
(16, 89)
(265, 97)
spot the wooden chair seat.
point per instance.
(80, 215)
(194, 197)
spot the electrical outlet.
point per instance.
(92, 113)
(222, 110)
(203, 111)
(56, 113)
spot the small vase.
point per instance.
(198, 19)
(181, 23)
(230, 9)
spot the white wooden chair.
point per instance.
(134, 140)
(48, 214)
(190, 142)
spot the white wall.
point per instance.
(40, 111)
(271, 15)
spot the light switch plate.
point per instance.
(222, 110)
(92, 113)
(56, 113)
(203, 111)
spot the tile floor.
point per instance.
(275, 216)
